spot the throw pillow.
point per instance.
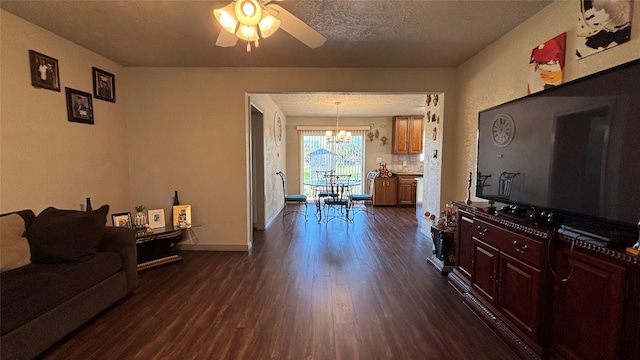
(66, 235)
(14, 247)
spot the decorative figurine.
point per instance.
(468, 201)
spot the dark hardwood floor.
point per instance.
(305, 291)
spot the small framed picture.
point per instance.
(182, 216)
(156, 218)
(44, 71)
(104, 85)
(79, 106)
(122, 220)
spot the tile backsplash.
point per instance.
(406, 163)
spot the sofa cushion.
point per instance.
(66, 235)
(14, 247)
(32, 290)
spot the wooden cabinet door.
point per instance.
(586, 308)
(464, 245)
(385, 192)
(520, 295)
(400, 141)
(415, 135)
(484, 276)
(407, 190)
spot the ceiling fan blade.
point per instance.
(296, 27)
(226, 39)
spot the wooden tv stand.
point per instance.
(546, 294)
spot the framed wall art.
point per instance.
(104, 85)
(121, 220)
(44, 71)
(156, 218)
(79, 106)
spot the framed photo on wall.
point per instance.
(104, 85)
(121, 220)
(79, 106)
(44, 71)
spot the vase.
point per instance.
(88, 207)
(140, 221)
(176, 202)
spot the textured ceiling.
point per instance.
(352, 104)
(360, 33)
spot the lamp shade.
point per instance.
(248, 12)
(247, 33)
(268, 25)
(226, 17)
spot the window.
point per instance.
(346, 157)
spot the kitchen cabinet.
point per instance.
(407, 134)
(386, 191)
(407, 186)
(586, 314)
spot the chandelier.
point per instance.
(248, 20)
(341, 135)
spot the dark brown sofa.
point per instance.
(77, 268)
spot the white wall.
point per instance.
(45, 159)
(499, 73)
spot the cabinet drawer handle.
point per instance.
(522, 249)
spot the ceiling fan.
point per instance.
(251, 20)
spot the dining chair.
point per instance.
(292, 198)
(324, 189)
(337, 205)
(365, 198)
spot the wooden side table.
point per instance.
(156, 248)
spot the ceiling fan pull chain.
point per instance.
(248, 46)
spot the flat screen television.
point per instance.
(571, 150)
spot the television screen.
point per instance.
(573, 149)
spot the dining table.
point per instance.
(317, 184)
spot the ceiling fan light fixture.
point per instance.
(268, 25)
(248, 12)
(247, 33)
(226, 17)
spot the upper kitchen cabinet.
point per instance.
(407, 134)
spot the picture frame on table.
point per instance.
(44, 71)
(79, 106)
(156, 218)
(104, 85)
(122, 220)
(182, 216)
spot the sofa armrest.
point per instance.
(123, 241)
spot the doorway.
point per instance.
(257, 168)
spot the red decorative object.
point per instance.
(384, 140)
(370, 136)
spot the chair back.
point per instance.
(504, 183)
(283, 177)
(340, 187)
(371, 182)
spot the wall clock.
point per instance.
(502, 130)
(277, 121)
